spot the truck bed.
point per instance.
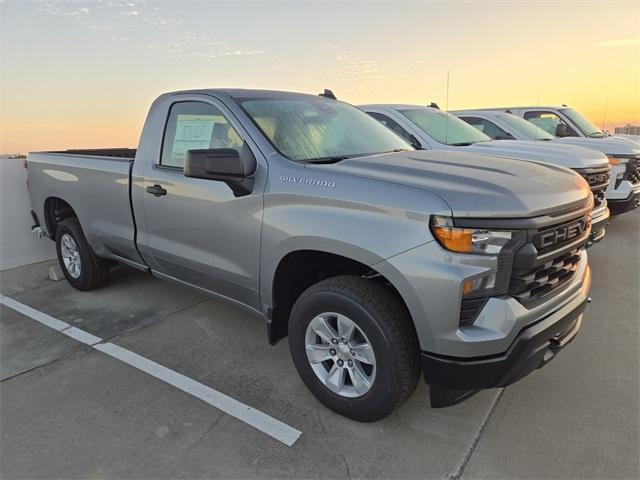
(96, 183)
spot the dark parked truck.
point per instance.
(376, 260)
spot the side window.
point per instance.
(193, 125)
(393, 126)
(550, 123)
(488, 128)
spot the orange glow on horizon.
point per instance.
(89, 75)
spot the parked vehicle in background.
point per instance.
(623, 193)
(628, 136)
(560, 121)
(500, 125)
(376, 260)
(432, 128)
(630, 132)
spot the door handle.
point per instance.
(156, 190)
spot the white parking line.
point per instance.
(249, 415)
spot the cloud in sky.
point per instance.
(624, 42)
(154, 29)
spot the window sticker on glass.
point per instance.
(192, 132)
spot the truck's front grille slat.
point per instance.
(598, 182)
(529, 285)
(599, 196)
(633, 171)
(549, 260)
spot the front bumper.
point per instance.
(533, 348)
(434, 301)
(625, 205)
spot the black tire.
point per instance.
(94, 271)
(387, 325)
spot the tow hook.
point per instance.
(589, 299)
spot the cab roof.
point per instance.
(396, 106)
(244, 93)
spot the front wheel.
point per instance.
(355, 347)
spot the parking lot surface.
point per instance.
(68, 410)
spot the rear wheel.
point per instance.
(80, 265)
(354, 346)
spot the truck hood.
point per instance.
(608, 145)
(566, 155)
(629, 137)
(475, 185)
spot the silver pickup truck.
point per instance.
(376, 260)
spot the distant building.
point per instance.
(628, 129)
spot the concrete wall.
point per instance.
(18, 246)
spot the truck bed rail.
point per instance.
(124, 153)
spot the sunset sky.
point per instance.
(83, 73)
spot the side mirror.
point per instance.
(415, 142)
(506, 136)
(561, 130)
(233, 167)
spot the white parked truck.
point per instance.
(433, 129)
(623, 193)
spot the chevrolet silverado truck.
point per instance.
(431, 128)
(377, 261)
(623, 193)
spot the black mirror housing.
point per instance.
(561, 130)
(228, 165)
(415, 143)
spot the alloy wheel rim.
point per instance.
(340, 355)
(70, 255)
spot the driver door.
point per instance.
(195, 230)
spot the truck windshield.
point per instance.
(308, 129)
(525, 128)
(444, 127)
(584, 124)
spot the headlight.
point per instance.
(468, 240)
(613, 160)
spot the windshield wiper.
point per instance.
(338, 158)
(462, 144)
(398, 150)
(334, 159)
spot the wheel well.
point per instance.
(56, 210)
(299, 270)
